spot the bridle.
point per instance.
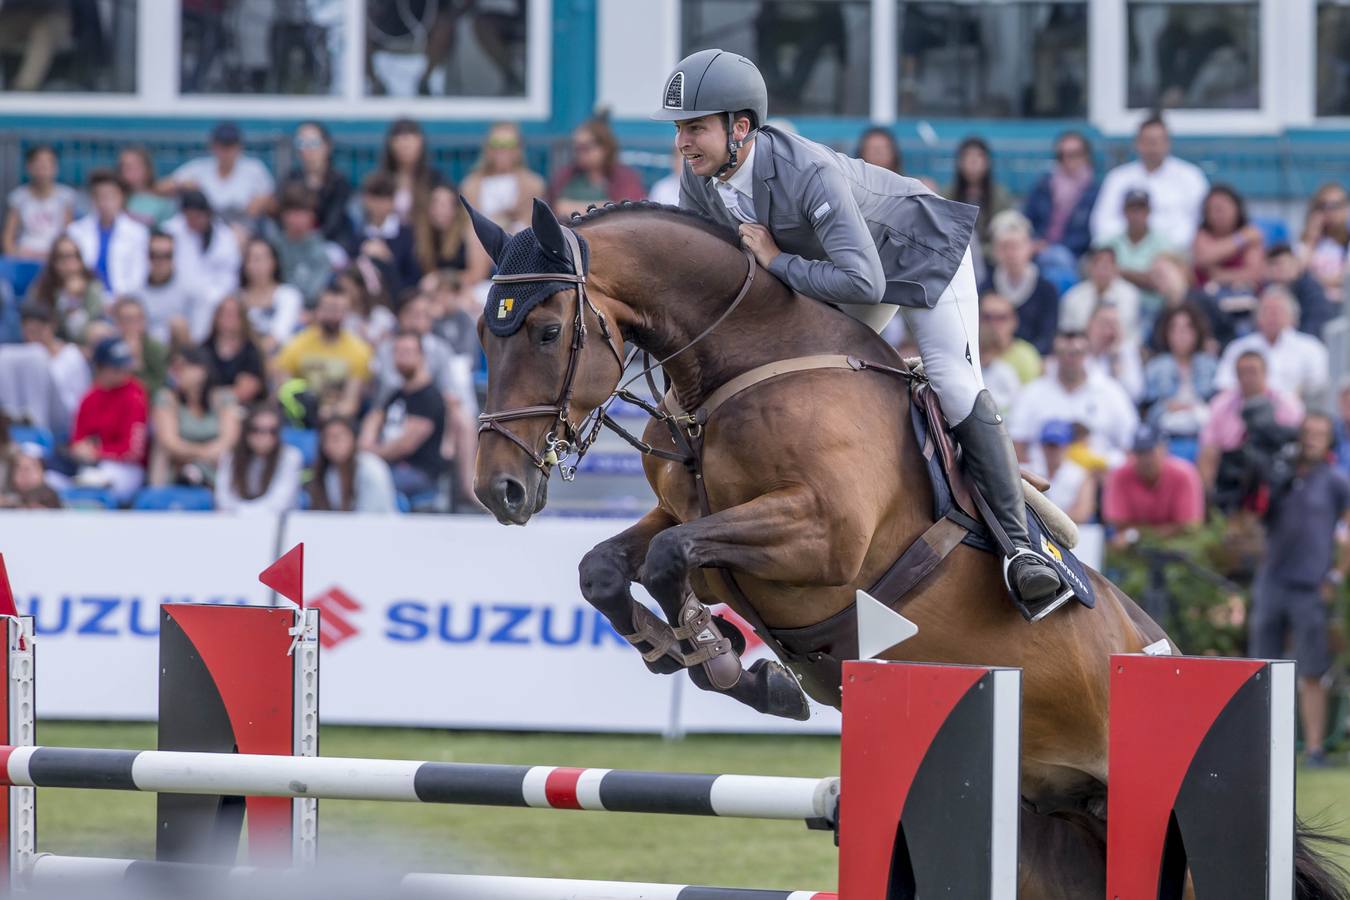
(566, 439)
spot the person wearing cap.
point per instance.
(206, 253)
(1154, 491)
(1136, 248)
(1175, 187)
(1072, 487)
(236, 186)
(109, 441)
(112, 243)
(868, 240)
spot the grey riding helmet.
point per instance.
(712, 82)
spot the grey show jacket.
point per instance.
(849, 232)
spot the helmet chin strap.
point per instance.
(733, 146)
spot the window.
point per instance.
(998, 58)
(815, 54)
(1194, 55)
(431, 48)
(289, 47)
(80, 46)
(1333, 58)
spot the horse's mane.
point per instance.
(675, 213)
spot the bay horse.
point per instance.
(814, 483)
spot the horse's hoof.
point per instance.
(779, 692)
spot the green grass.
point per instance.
(620, 846)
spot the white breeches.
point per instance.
(948, 336)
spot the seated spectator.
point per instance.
(1136, 249)
(150, 358)
(1072, 487)
(370, 317)
(1314, 310)
(137, 170)
(334, 363)
(25, 484)
(1342, 423)
(1292, 596)
(594, 176)
(347, 479)
(38, 211)
(238, 187)
(1297, 363)
(66, 366)
(235, 362)
(1103, 286)
(68, 289)
(1017, 278)
(1176, 189)
(384, 240)
(109, 441)
(304, 259)
(1229, 251)
(1059, 206)
(877, 146)
(1172, 276)
(1113, 352)
(1078, 393)
(274, 308)
(193, 425)
(999, 341)
(444, 243)
(408, 429)
(1179, 382)
(260, 473)
(1325, 244)
(501, 186)
(407, 163)
(666, 190)
(112, 244)
(1153, 491)
(454, 314)
(315, 173)
(974, 183)
(206, 253)
(172, 309)
(1234, 412)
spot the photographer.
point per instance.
(1296, 581)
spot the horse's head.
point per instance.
(552, 360)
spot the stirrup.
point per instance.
(1040, 609)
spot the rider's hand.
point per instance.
(758, 240)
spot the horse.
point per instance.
(813, 483)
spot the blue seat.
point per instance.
(88, 498)
(19, 273)
(33, 434)
(174, 497)
(303, 439)
(1276, 231)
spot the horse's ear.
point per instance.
(548, 231)
(492, 236)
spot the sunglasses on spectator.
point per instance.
(1332, 205)
(1062, 155)
(159, 254)
(503, 143)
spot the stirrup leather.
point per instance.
(1054, 603)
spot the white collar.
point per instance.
(743, 179)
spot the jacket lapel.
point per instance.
(763, 174)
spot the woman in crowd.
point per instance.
(1179, 382)
(193, 425)
(1325, 245)
(261, 473)
(137, 169)
(274, 309)
(68, 289)
(1059, 206)
(235, 361)
(347, 479)
(406, 160)
(371, 317)
(595, 175)
(1113, 351)
(314, 171)
(1228, 251)
(879, 147)
(443, 243)
(25, 485)
(500, 186)
(974, 183)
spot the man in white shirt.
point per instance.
(238, 187)
(1176, 189)
(1076, 393)
(1297, 362)
(1103, 286)
(170, 304)
(112, 243)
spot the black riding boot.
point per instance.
(991, 462)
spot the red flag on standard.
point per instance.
(286, 575)
(7, 607)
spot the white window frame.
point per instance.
(158, 34)
(1309, 47)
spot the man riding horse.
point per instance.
(848, 233)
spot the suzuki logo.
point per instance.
(334, 605)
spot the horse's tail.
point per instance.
(1316, 875)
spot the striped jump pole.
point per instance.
(336, 778)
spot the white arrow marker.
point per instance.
(879, 627)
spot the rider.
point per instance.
(849, 233)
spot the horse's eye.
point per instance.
(550, 334)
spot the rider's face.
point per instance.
(703, 144)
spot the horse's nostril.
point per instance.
(510, 492)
